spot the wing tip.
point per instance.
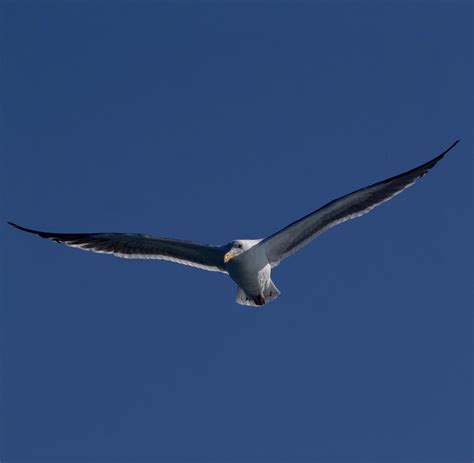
(430, 164)
(19, 227)
(449, 149)
(28, 230)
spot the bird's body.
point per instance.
(248, 262)
(252, 273)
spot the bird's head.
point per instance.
(238, 247)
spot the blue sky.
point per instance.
(214, 121)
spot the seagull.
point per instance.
(248, 262)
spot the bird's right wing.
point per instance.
(137, 246)
(296, 235)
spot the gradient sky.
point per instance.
(213, 121)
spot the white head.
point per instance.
(238, 247)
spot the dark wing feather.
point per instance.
(137, 246)
(296, 235)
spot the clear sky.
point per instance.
(212, 121)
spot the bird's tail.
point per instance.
(270, 293)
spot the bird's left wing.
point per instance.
(137, 246)
(296, 235)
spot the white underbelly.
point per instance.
(252, 281)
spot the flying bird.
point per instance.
(248, 262)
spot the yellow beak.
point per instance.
(228, 256)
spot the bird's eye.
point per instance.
(239, 245)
